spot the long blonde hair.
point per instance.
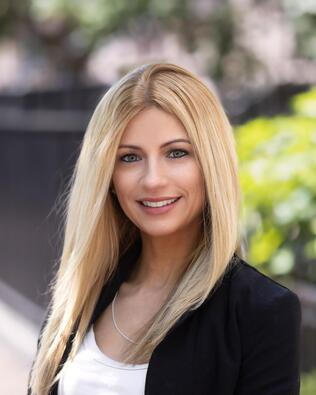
(97, 231)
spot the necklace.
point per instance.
(115, 324)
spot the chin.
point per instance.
(158, 231)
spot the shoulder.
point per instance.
(250, 282)
(257, 297)
(266, 317)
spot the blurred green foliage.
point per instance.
(308, 383)
(277, 160)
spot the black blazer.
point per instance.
(243, 340)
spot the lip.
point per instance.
(159, 199)
(159, 210)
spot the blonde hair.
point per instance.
(97, 231)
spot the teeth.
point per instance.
(159, 204)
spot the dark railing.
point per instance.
(40, 137)
(307, 296)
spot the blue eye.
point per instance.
(184, 153)
(176, 156)
(127, 155)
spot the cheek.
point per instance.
(194, 180)
(124, 185)
(121, 181)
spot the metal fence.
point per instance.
(307, 296)
(40, 137)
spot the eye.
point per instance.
(126, 156)
(176, 156)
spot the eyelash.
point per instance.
(179, 157)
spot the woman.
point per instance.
(152, 294)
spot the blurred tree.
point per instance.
(303, 17)
(67, 31)
(277, 173)
(229, 35)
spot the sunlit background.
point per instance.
(58, 57)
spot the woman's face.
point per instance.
(150, 167)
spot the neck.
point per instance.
(163, 260)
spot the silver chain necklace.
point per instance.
(115, 324)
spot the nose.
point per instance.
(154, 175)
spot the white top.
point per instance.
(94, 373)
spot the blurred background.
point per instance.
(58, 57)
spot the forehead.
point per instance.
(154, 124)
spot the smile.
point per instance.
(160, 207)
(159, 204)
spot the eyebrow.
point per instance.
(163, 145)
